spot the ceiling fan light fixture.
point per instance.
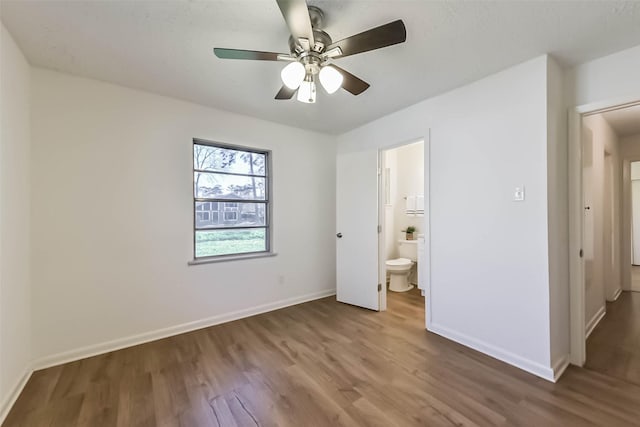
(331, 79)
(293, 74)
(310, 48)
(307, 90)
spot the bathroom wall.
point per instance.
(410, 182)
(390, 178)
(405, 166)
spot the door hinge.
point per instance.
(379, 171)
(581, 253)
(379, 287)
(379, 229)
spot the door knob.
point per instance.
(339, 235)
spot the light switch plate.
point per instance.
(518, 194)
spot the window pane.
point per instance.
(228, 160)
(235, 215)
(232, 187)
(228, 242)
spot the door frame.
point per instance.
(426, 222)
(576, 264)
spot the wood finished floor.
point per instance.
(614, 346)
(320, 363)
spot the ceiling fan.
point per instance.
(312, 50)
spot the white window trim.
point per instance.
(268, 227)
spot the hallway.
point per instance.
(613, 348)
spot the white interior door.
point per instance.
(357, 229)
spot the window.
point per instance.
(231, 200)
(231, 216)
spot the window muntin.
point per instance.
(230, 216)
(231, 200)
(223, 186)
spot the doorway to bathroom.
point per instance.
(402, 231)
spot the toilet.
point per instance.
(399, 269)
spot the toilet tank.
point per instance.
(408, 249)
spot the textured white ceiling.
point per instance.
(625, 121)
(166, 47)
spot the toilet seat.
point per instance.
(399, 262)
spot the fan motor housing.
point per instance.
(319, 37)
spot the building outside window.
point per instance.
(231, 200)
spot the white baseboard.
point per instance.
(117, 344)
(617, 294)
(535, 368)
(591, 325)
(560, 366)
(8, 402)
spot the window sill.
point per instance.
(231, 258)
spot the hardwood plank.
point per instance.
(614, 346)
(324, 363)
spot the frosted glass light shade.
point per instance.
(292, 75)
(307, 92)
(330, 78)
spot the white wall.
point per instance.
(406, 168)
(410, 182)
(15, 311)
(606, 212)
(629, 151)
(391, 169)
(489, 254)
(635, 213)
(112, 217)
(608, 78)
(635, 166)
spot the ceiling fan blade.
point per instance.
(247, 54)
(375, 38)
(285, 93)
(351, 83)
(296, 14)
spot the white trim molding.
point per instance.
(560, 366)
(593, 322)
(7, 404)
(616, 295)
(535, 368)
(576, 265)
(120, 343)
